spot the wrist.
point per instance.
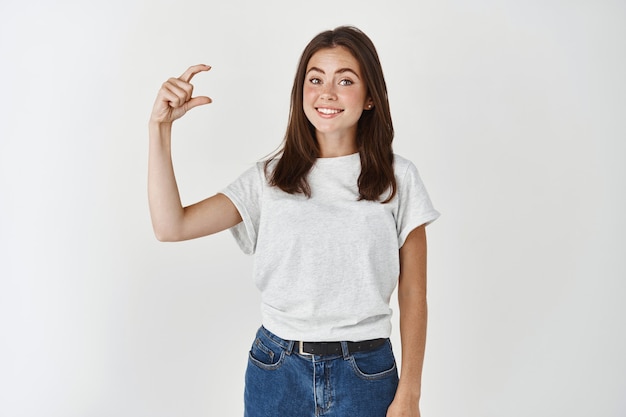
(157, 126)
(408, 394)
(160, 132)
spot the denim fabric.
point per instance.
(282, 383)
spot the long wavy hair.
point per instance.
(300, 148)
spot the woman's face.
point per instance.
(334, 94)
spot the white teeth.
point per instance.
(328, 111)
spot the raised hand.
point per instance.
(174, 98)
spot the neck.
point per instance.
(331, 147)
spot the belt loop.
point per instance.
(290, 347)
(345, 351)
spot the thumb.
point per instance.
(198, 101)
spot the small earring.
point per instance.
(369, 107)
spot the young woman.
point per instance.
(335, 221)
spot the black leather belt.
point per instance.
(332, 348)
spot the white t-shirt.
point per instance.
(327, 265)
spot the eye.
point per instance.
(345, 82)
(315, 80)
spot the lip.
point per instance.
(325, 111)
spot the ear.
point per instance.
(369, 104)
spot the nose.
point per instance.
(328, 92)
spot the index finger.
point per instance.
(193, 70)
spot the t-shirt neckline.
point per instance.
(338, 159)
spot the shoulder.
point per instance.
(401, 166)
(252, 176)
(256, 170)
(269, 164)
(400, 161)
(407, 175)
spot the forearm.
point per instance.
(413, 322)
(413, 318)
(166, 208)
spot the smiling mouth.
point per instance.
(328, 111)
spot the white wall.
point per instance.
(513, 111)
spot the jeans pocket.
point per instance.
(265, 357)
(375, 364)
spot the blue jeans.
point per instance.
(282, 383)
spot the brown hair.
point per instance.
(374, 130)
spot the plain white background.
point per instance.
(514, 112)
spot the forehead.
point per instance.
(334, 58)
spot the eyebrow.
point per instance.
(339, 71)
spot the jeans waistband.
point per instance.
(323, 348)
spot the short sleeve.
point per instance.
(414, 205)
(245, 193)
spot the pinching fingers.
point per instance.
(180, 88)
(193, 70)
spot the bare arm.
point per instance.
(170, 220)
(413, 318)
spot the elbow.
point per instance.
(162, 237)
(163, 234)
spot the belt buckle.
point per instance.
(301, 347)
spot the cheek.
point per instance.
(308, 94)
(361, 98)
(308, 100)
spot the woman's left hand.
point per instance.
(402, 409)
